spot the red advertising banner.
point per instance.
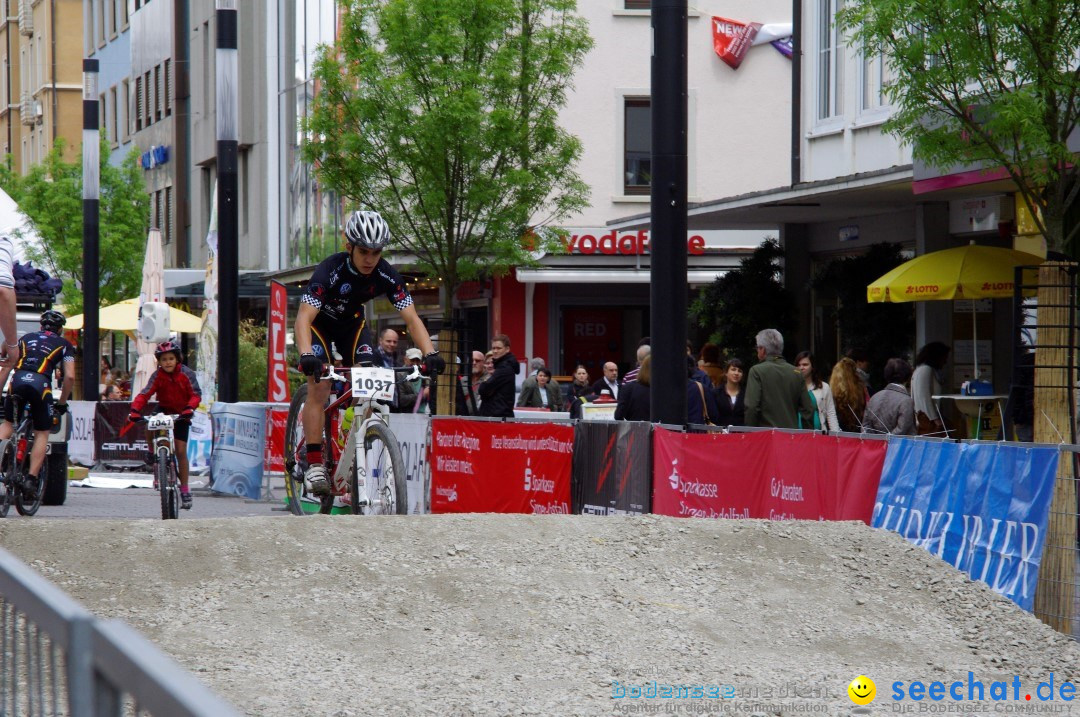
(767, 474)
(489, 467)
(277, 384)
(274, 455)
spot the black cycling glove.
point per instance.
(434, 363)
(310, 364)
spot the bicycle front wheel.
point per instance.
(384, 491)
(170, 508)
(8, 476)
(28, 503)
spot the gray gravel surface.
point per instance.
(540, 615)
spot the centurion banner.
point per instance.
(612, 467)
(497, 467)
(765, 474)
(982, 508)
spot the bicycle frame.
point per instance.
(372, 411)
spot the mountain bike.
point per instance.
(15, 467)
(369, 475)
(159, 433)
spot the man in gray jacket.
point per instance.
(776, 392)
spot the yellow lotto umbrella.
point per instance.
(963, 272)
(124, 316)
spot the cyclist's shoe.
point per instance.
(315, 480)
(30, 486)
(185, 501)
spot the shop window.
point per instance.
(830, 65)
(637, 145)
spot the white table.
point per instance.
(975, 407)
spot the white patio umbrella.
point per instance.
(153, 289)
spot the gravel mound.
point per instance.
(540, 615)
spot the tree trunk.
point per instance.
(1055, 406)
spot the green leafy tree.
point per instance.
(50, 195)
(253, 360)
(746, 300)
(985, 83)
(443, 116)
(885, 330)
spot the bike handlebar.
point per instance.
(413, 371)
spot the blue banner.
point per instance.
(980, 507)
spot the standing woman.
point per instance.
(849, 395)
(579, 387)
(926, 382)
(824, 406)
(731, 396)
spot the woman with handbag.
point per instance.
(824, 405)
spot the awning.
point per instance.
(608, 276)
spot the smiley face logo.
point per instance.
(862, 690)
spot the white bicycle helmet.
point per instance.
(367, 229)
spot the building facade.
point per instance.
(40, 79)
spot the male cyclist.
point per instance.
(39, 354)
(332, 312)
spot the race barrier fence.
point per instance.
(981, 506)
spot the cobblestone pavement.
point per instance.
(139, 503)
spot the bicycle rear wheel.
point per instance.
(28, 504)
(300, 503)
(7, 474)
(170, 508)
(384, 485)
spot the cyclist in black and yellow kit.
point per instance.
(39, 354)
(332, 311)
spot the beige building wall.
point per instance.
(40, 78)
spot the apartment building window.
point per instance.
(157, 93)
(99, 24)
(637, 4)
(637, 145)
(4, 96)
(136, 109)
(114, 117)
(875, 78)
(830, 67)
(102, 123)
(168, 88)
(166, 229)
(124, 17)
(125, 102)
(148, 100)
(110, 17)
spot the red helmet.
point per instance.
(165, 348)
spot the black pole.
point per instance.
(91, 150)
(228, 250)
(668, 241)
(796, 92)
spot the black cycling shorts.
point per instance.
(352, 341)
(180, 430)
(35, 391)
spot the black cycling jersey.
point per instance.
(41, 352)
(339, 291)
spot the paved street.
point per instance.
(145, 503)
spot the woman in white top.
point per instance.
(926, 382)
(825, 413)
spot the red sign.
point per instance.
(732, 39)
(487, 467)
(274, 455)
(767, 474)
(277, 384)
(613, 243)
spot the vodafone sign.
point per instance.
(614, 242)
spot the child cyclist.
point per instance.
(177, 392)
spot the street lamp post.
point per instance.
(668, 211)
(91, 193)
(228, 250)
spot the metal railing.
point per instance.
(57, 658)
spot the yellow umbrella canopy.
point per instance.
(124, 316)
(963, 272)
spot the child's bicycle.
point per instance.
(159, 433)
(370, 475)
(15, 467)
